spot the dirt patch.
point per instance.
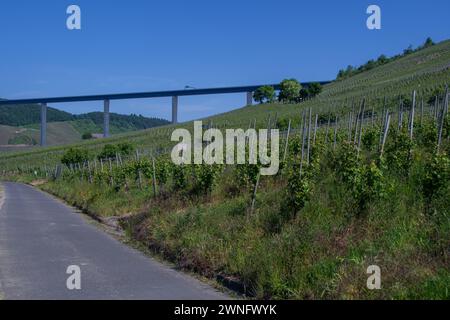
(39, 182)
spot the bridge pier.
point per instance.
(43, 125)
(106, 118)
(249, 98)
(175, 109)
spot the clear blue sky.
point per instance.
(137, 45)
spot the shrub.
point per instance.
(398, 152)
(87, 136)
(109, 152)
(205, 178)
(298, 190)
(436, 176)
(125, 148)
(74, 155)
(370, 138)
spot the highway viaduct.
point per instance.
(107, 98)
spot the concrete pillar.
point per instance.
(106, 118)
(249, 98)
(175, 109)
(43, 124)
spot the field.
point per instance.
(370, 188)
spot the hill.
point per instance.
(355, 198)
(19, 125)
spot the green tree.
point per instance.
(428, 43)
(290, 90)
(314, 89)
(264, 94)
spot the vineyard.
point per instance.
(363, 180)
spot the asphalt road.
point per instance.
(40, 237)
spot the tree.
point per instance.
(314, 89)
(264, 94)
(382, 59)
(304, 93)
(290, 90)
(428, 43)
(408, 50)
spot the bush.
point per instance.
(74, 155)
(87, 136)
(436, 176)
(109, 152)
(398, 152)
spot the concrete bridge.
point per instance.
(106, 98)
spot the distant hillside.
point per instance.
(19, 125)
(126, 122)
(21, 115)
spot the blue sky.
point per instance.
(137, 45)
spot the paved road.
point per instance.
(40, 237)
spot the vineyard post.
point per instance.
(385, 133)
(411, 116)
(101, 165)
(363, 107)
(349, 127)
(436, 107)
(255, 190)
(89, 171)
(373, 113)
(328, 128)
(309, 135)
(315, 128)
(275, 120)
(421, 112)
(287, 141)
(442, 119)
(335, 131)
(303, 144)
(111, 179)
(154, 177)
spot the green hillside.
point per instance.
(21, 115)
(369, 189)
(19, 125)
